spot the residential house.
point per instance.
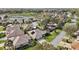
(51, 26)
(36, 34)
(19, 19)
(17, 36)
(75, 45)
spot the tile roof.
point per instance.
(75, 45)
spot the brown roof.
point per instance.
(75, 45)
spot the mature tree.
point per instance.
(6, 16)
(70, 28)
(23, 21)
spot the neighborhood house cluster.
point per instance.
(39, 29)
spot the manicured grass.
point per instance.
(1, 28)
(2, 35)
(53, 34)
(1, 48)
(2, 41)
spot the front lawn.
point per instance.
(2, 35)
(52, 35)
(1, 28)
(2, 41)
(1, 48)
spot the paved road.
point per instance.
(59, 38)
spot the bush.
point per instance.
(33, 43)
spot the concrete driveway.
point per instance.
(58, 38)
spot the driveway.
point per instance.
(58, 38)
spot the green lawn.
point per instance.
(1, 48)
(2, 35)
(1, 28)
(53, 34)
(2, 41)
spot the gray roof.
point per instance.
(21, 40)
(38, 33)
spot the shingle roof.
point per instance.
(38, 33)
(21, 40)
(13, 31)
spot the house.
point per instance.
(21, 41)
(13, 31)
(51, 26)
(75, 45)
(34, 25)
(19, 19)
(17, 36)
(36, 34)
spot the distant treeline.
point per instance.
(20, 10)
